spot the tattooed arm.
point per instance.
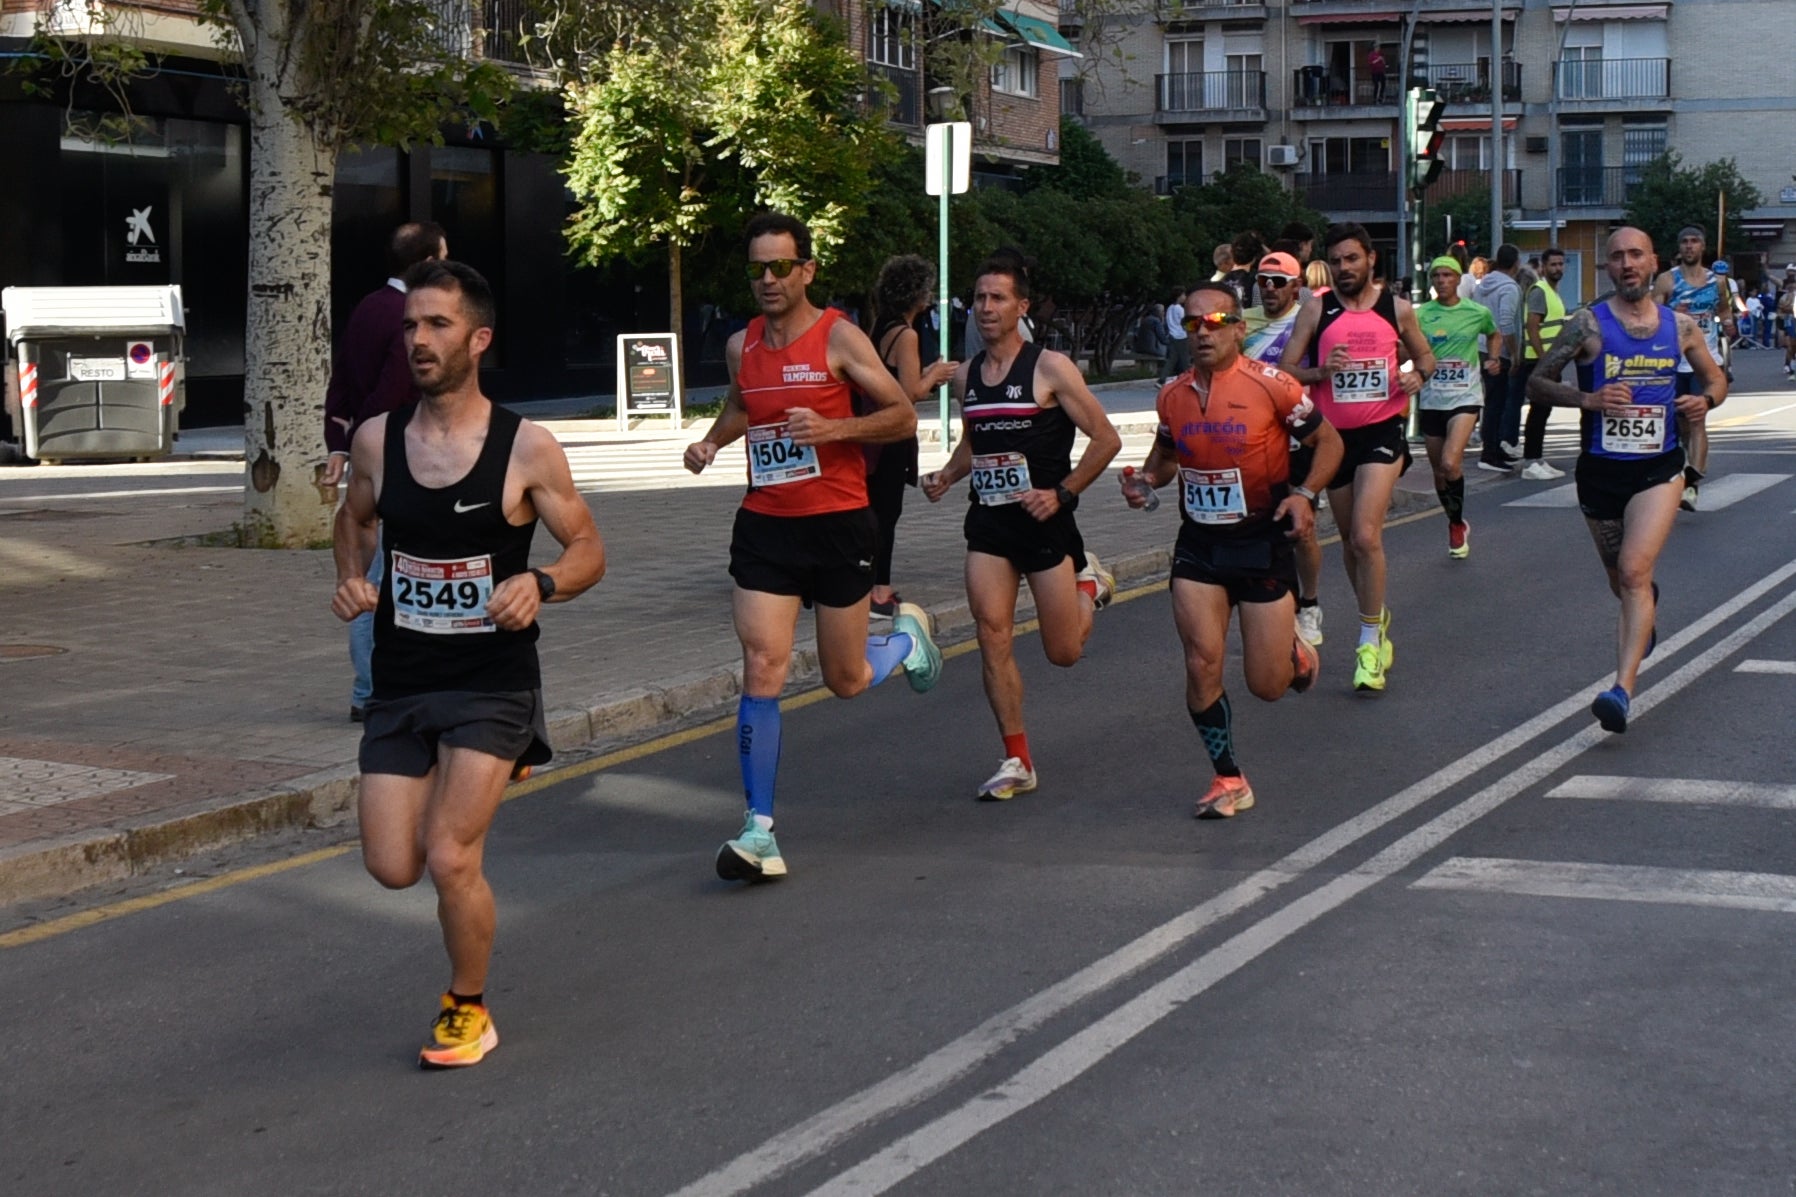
(1579, 340)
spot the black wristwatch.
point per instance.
(1064, 495)
(545, 585)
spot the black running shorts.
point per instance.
(824, 559)
(1382, 443)
(401, 735)
(1256, 569)
(1033, 546)
(1605, 484)
(1434, 421)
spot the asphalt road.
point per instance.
(1449, 952)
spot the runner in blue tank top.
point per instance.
(1631, 471)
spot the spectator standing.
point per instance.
(1376, 67)
(1178, 347)
(1500, 292)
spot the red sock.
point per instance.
(1018, 746)
(1089, 587)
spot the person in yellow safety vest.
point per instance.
(1545, 316)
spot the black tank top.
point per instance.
(446, 549)
(1006, 419)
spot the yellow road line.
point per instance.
(50, 928)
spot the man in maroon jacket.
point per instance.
(369, 377)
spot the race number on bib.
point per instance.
(1213, 496)
(1362, 382)
(1452, 374)
(1638, 431)
(774, 459)
(1000, 478)
(443, 598)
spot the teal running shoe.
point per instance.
(923, 668)
(754, 855)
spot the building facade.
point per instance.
(1588, 93)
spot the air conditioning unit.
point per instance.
(1535, 145)
(1281, 155)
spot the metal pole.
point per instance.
(1553, 132)
(1497, 173)
(1404, 246)
(942, 268)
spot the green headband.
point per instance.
(1445, 263)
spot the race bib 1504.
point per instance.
(774, 459)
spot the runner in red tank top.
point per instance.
(804, 533)
(1351, 346)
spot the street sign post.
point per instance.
(947, 170)
(648, 377)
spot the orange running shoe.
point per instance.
(463, 1035)
(1227, 797)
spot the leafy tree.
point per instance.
(1671, 195)
(1241, 199)
(1470, 211)
(1085, 168)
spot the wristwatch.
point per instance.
(1064, 495)
(545, 585)
(1307, 493)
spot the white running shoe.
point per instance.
(1510, 449)
(1539, 471)
(1309, 625)
(1094, 571)
(1011, 779)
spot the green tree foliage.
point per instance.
(1240, 200)
(1671, 195)
(1471, 223)
(1085, 167)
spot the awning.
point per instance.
(1475, 124)
(1462, 16)
(1613, 12)
(1039, 34)
(1348, 18)
(1763, 230)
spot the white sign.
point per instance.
(648, 377)
(97, 369)
(140, 360)
(944, 145)
(1787, 196)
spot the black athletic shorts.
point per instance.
(1434, 421)
(1256, 569)
(1382, 443)
(825, 559)
(1033, 546)
(1605, 484)
(400, 735)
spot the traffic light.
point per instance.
(1426, 138)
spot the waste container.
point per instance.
(101, 370)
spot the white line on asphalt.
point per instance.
(1755, 417)
(1756, 666)
(1615, 883)
(123, 494)
(1678, 790)
(1729, 489)
(1557, 496)
(1066, 1062)
(954, 1060)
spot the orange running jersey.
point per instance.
(785, 478)
(1234, 453)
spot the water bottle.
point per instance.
(1139, 486)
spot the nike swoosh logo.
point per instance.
(1386, 450)
(463, 509)
(1661, 349)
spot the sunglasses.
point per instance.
(1276, 280)
(781, 267)
(1212, 319)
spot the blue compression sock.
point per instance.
(887, 653)
(758, 745)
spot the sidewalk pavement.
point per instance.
(190, 697)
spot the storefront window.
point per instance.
(464, 199)
(368, 203)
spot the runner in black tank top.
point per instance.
(1018, 453)
(460, 485)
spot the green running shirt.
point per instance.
(1453, 334)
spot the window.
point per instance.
(1015, 73)
(1640, 144)
(1184, 163)
(1467, 152)
(1349, 155)
(1240, 151)
(891, 39)
(1581, 73)
(1244, 81)
(1185, 57)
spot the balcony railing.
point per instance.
(491, 29)
(1174, 10)
(1210, 91)
(1314, 87)
(1598, 186)
(1072, 97)
(904, 106)
(1454, 183)
(1469, 82)
(1356, 192)
(1614, 79)
(1167, 184)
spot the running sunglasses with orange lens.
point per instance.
(781, 267)
(1213, 319)
(1276, 280)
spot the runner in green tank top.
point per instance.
(1453, 395)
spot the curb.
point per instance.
(327, 799)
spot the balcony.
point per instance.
(1367, 191)
(1072, 98)
(1593, 83)
(1454, 183)
(1469, 82)
(1315, 92)
(1598, 186)
(1167, 184)
(491, 29)
(1210, 95)
(903, 105)
(1174, 12)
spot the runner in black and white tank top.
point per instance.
(1017, 444)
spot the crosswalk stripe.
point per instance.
(1679, 790)
(1765, 667)
(1556, 496)
(1721, 493)
(1615, 883)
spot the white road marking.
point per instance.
(1061, 1065)
(1742, 421)
(1678, 790)
(123, 494)
(1616, 883)
(1729, 489)
(1556, 496)
(780, 1152)
(1765, 667)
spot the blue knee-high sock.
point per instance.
(887, 653)
(758, 746)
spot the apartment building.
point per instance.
(1586, 92)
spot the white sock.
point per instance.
(1368, 632)
(764, 822)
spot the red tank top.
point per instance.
(784, 478)
(1366, 390)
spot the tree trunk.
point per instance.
(676, 295)
(287, 334)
